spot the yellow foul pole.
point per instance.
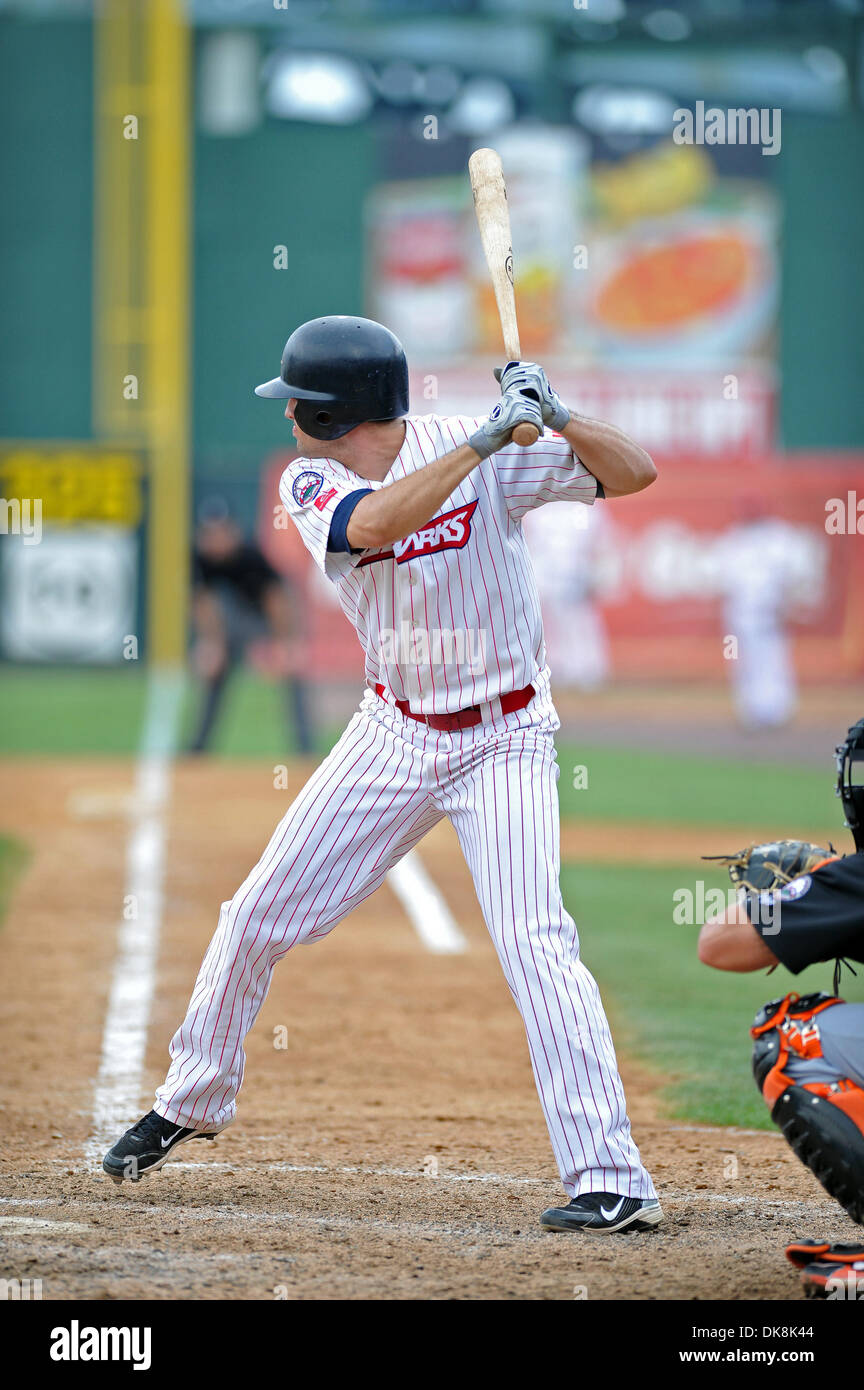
(141, 278)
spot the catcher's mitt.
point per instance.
(760, 868)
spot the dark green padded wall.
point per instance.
(821, 178)
(46, 135)
(300, 186)
(304, 186)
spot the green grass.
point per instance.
(82, 711)
(675, 788)
(13, 857)
(666, 1008)
(77, 711)
(683, 1019)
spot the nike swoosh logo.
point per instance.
(610, 1215)
(169, 1140)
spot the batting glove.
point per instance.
(513, 409)
(529, 379)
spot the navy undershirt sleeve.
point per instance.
(600, 492)
(338, 538)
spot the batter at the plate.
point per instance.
(417, 521)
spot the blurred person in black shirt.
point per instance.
(243, 609)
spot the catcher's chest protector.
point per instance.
(822, 1120)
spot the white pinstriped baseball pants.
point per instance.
(387, 781)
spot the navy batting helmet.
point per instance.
(342, 371)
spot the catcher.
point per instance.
(800, 904)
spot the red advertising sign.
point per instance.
(672, 551)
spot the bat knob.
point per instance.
(525, 435)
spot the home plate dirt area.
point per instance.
(389, 1142)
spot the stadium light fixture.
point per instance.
(609, 110)
(321, 87)
(484, 104)
(669, 25)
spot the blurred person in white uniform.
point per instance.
(571, 554)
(764, 574)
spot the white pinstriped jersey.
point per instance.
(389, 780)
(448, 617)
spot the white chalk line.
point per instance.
(355, 1170)
(213, 1215)
(748, 1207)
(34, 1225)
(427, 911)
(124, 1038)
(732, 1130)
(492, 1179)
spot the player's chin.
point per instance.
(310, 448)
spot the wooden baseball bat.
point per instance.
(493, 219)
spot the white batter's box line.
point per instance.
(479, 1233)
(124, 1038)
(745, 1199)
(356, 1170)
(796, 1210)
(32, 1225)
(427, 911)
(727, 1129)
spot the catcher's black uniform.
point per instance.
(808, 1053)
(821, 915)
(808, 1058)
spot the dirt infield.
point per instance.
(394, 1148)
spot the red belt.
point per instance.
(463, 718)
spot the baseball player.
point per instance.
(764, 580)
(417, 521)
(802, 904)
(241, 606)
(570, 547)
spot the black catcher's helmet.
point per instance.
(342, 372)
(850, 780)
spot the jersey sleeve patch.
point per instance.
(306, 487)
(310, 494)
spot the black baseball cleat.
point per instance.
(147, 1145)
(601, 1213)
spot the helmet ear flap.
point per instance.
(324, 421)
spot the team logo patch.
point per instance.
(796, 889)
(306, 487)
(451, 531)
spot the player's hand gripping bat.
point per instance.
(493, 219)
